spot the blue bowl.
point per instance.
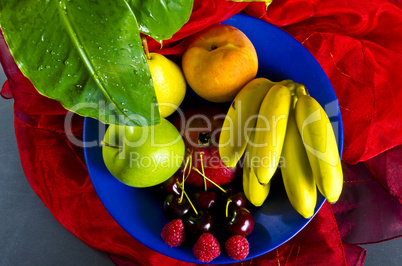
(139, 212)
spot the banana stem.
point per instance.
(301, 90)
(298, 90)
(291, 86)
(294, 101)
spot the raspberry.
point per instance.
(173, 233)
(206, 248)
(237, 247)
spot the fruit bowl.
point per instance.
(139, 212)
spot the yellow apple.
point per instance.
(218, 62)
(169, 83)
(168, 79)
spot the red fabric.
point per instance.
(359, 46)
(370, 200)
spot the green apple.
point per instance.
(143, 156)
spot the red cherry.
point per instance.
(175, 207)
(239, 222)
(199, 223)
(205, 199)
(237, 197)
(171, 186)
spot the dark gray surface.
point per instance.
(385, 253)
(29, 235)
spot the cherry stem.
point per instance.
(184, 178)
(145, 47)
(103, 143)
(227, 207)
(202, 169)
(198, 171)
(190, 167)
(182, 191)
(196, 213)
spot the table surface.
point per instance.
(29, 234)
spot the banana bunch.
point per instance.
(278, 123)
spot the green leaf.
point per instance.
(85, 54)
(161, 23)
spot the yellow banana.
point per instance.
(321, 147)
(240, 118)
(270, 132)
(296, 171)
(253, 190)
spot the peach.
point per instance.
(218, 62)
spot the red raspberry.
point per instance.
(173, 233)
(237, 247)
(206, 248)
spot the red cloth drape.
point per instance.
(359, 46)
